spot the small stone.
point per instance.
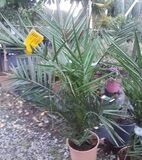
(40, 125)
(9, 104)
(2, 125)
(20, 111)
(27, 113)
(7, 95)
(18, 107)
(55, 140)
(43, 113)
(21, 102)
(66, 154)
(35, 119)
(45, 119)
(17, 126)
(3, 120)
(49, 134)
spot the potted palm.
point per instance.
(133, 151)
(132, 82)
(78, 102)
(133, 91)
(125, 121)
(74, 50)
(133, 87)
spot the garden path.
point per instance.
(27, 132)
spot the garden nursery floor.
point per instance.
(28, 132)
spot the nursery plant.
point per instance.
(133, 86)
(133, 91)
(73, 58)
(133, 151)
(132, 79)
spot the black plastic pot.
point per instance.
(103, 133)
(129, 128)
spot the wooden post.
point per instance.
(5, 63)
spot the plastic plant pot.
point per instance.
(84, 155)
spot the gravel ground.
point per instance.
(31, 133)
(27, 133)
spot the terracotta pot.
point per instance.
(112, 86)
(84, 155)
(122, 154)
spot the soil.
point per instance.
(84, 147)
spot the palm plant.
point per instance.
(133, 66)
(133, 92)
(74, 50)
(135, 151)
(133, 86)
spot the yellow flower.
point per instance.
(32, 40)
